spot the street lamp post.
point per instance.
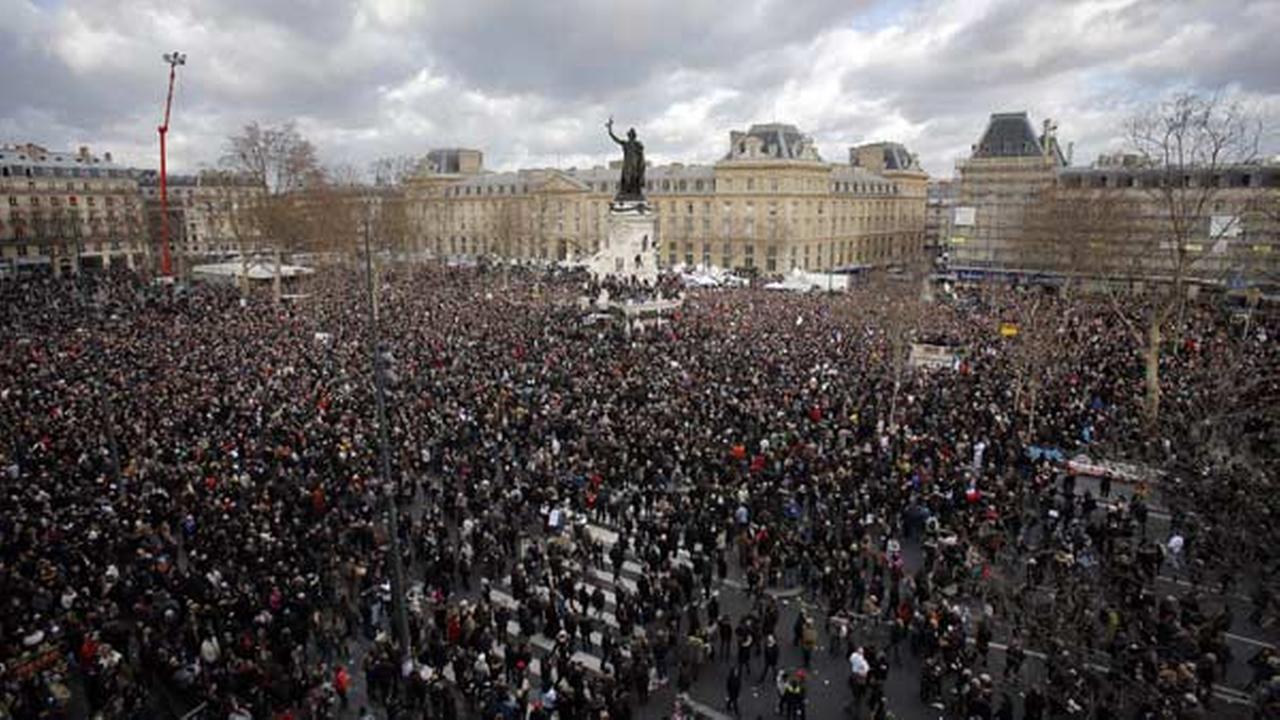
(166, 268)
(400, 614)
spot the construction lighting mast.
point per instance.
(166, 265)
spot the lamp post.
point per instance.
(166, 268)
(400, 617)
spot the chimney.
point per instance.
(106, 157)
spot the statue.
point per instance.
(631, 188)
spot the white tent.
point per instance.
(708, 276)
(801, 281)
(257, 270)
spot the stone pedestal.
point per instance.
(628, 252)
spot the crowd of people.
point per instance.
(193, 513)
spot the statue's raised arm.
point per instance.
(609, 127)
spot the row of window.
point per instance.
(44, 171)
(683, 185)
(94, 248)
(880, 209)
(1152, 180)
(836, 254)
(56, 201)
(806, 256)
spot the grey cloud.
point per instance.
(574, 47)
(530, 82)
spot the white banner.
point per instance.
(932, 356)
(966, 216)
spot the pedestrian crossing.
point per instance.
(588, 578)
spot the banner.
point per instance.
(932, 356)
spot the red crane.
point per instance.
(166, 268)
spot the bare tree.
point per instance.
(344, 175)
(1033, 346)
(506, 233)
(1069, 229)
(394, 170)
(899, 312)
(1185, 147)
(278, 158)
(284, 165)
(392, 229)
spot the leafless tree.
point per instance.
(278, 158)
(899, 312)
(1167, 226)
(506, 233)
(1033, 346)
(284, 164)
(394, 170)
(392, 231)
(1068, 231)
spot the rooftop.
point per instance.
(771, 140)
(41, 161)
(1008, 135)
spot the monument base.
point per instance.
(628, 252)
(629, 206)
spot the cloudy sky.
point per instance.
(530, 82)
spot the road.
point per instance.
(826, 683)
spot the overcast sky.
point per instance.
(530, 82)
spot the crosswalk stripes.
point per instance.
(589, 578)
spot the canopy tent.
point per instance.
(254, 270)
(801, 281)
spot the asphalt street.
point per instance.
(827, 691)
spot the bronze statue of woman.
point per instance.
(631, 186)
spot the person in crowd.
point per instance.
(194, 500)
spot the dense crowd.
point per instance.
(191, 507)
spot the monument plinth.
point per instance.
(628, 252)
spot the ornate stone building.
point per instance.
(1022, 210)
(1115, 220)
(207, 213)
(60, 211)
(769, 204)
(1007, 170)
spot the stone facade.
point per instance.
(770, 204)
(1111, 220)
(207, 213)
(60, 211)
(1021, 209)
(1008, 169)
